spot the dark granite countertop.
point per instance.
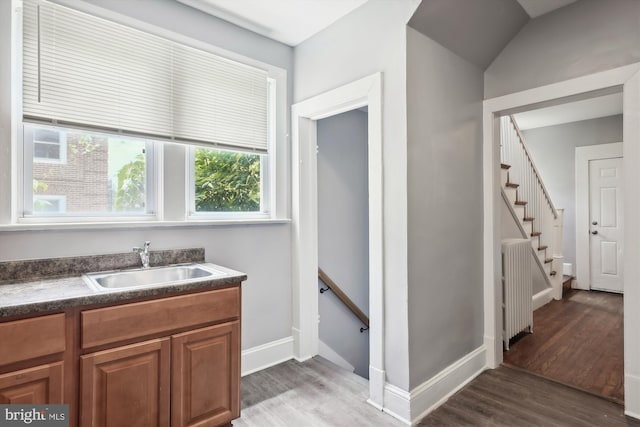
(22, 296)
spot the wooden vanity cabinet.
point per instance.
(205, 372)
(32, 360)
(39, 384)
(188, 374)
(126, 386)
(169, 361)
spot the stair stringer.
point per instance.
(526, 236)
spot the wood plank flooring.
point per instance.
(510, 397)
(315, 393)
(577, 341)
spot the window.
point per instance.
(49, 146)
(227, 181)
(103, 175)
(98, 120)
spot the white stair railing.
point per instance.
(539, 209)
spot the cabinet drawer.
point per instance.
(128, 321)
(30, 338)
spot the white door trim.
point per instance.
(609, 81)
(366, 91)
(582, 157)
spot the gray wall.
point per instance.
(343, 230)
(583, 38)
(262, 251)
(553, 151)
(444, 99)
(372, 39)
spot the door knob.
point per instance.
(594, 223)
(594, 232)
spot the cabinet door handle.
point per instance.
(594, 232)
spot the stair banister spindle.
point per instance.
(533, 166)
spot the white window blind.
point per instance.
(81, 70)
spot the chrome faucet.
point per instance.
(144, 253)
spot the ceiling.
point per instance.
(475, 30)
(288, 21)
(535, 8)
(603, 106)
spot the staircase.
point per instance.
(530, 204)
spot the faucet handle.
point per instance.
(147, 243)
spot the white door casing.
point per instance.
(304, 208)
(606, 219)
(600, 83)
(583, 157)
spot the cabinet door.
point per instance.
(38, 385)
(126, 386)
(205, 377)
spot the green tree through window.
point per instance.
(226, 181)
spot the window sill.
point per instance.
(137, 224)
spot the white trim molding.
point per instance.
(631, 255)
(582, 157)
(627, 78)
(411, 407)
(364, 92)
(542, 298)
(266, 355)
(632, 385)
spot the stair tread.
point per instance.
(548, 260)
(542, 248)
(535, 233)
(520, 203)
(504, 166)
(512, 185)
(528, 218)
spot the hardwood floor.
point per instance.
(315, 393)
(577, 341)
(510, 397)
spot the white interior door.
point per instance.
(606, 224)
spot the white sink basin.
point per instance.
(155, 276)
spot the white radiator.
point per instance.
(516, 288)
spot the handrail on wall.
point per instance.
(344, 298)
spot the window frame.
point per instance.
(267, 175)
(265, 184)
(171, 204)
(26, 214)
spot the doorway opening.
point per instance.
(305, 116)
(343, 240)
(576, 156)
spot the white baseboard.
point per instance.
(542, 298)
(266, 355)
(632, 396)
(411, 407)
(397, 403)
(376, 387)
(492, 352)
